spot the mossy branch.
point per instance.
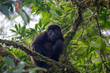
(38, 56)
(91, 3)
(4, 52)
(81, 5)
(69, 35)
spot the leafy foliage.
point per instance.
(9, 67)
(88, 51)
(7, 8)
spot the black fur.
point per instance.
(49, 44)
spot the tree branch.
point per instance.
(81, 4)
(40, 57)
(100, 50)
(68, 37)
(91, 3)
(4, 52)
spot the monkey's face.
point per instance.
(54, 32)
(54, 35)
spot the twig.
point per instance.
(66, 28)
(80, 35)
(87, 22)
(101, 36)
(98, 26)
(104, 61)
(99, 30)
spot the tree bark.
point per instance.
(4, 52)
(56, 65)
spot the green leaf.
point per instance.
(18, 71)
(11, 9)
(108, 48)
(23, 32)
(103, 44)
(24, 29)
(16, 27)
(99, 42)
(1, 2)
(51, 1)
(19, 26)
(45, 25)
(36, 27)
(25, 17)
(40, 23)
(32, 70)
(53, 13)
(94, 44)
(58, 12)
(38, 12)
(4, 10)
(20, 65)
(12, 30)
(9, 61)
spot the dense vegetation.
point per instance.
(83, 22)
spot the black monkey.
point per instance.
(49, 43)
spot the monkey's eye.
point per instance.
(50, 32)
(57, 32)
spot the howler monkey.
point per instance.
(49, 43)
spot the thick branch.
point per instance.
(91, 3)
(81, 4)
(68, 37)
(4, 52)
(39, 56)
